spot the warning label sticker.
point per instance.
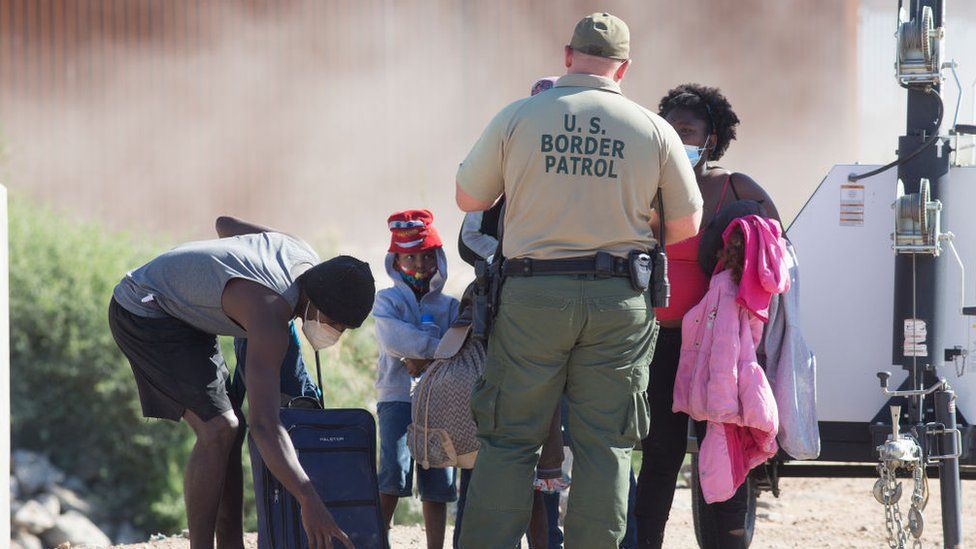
(852, 205)
(916, 350)
(915, 335)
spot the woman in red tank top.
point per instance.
(707, 124)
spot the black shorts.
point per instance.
(177, 367)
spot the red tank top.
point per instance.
(688, 282)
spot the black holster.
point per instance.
(487, 292)
(649, 273)
(660, 287)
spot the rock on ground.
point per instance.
(23, 540)
(50, 502)
(33, 517)
(75, 528)
(71, 501)
(34, 472)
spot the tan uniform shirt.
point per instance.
(580, 165)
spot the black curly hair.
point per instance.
(709, 105)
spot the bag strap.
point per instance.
(318, 374)
(430, 388)
(732, 186)
(501, 231)
(660, 216)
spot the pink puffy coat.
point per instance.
(719, 379)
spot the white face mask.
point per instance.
(319, 334)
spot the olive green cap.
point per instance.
(603, 35)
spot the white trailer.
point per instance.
(848, 273)
(883, 253)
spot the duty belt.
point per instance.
(601, 265)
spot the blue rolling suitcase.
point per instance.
(337, 449)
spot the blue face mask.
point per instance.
(694, 154)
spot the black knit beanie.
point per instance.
(342, 288)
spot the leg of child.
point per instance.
(553, 499)
(435, 523)
(437, 488)
(538, 533)
(555, 539)
(550, 464)
(549, 469)
(388, 503)
(396, 467)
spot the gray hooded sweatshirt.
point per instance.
(398, 331)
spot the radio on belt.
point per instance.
(661, 294)
(650, 271)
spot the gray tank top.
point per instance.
(188, 281)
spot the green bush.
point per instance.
(73, 395)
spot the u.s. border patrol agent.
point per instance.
(580, 166)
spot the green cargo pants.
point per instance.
(592, 339)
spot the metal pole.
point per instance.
(917, 293)
(949, 485)
(916, 296)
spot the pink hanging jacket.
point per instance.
(765, 270)
(719, 379)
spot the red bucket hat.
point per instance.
(413, 232)
(543, 84)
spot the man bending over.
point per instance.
(166, 316)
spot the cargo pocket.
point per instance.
(640, 375)
(484, 400)
(640, 370)
(638, 422)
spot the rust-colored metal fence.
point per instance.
(324, 115)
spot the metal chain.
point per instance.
(920, 498)
(920, 495)
(899, 533)
(889, 498)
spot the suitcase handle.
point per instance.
(305, 402)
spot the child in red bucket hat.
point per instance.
(410, 318)
(415, 242)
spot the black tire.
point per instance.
(701, 514)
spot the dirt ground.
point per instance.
(835, 513)
(823, 513)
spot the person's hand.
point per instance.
(320, 527)
(416, 366)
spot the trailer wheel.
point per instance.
(702, 515)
